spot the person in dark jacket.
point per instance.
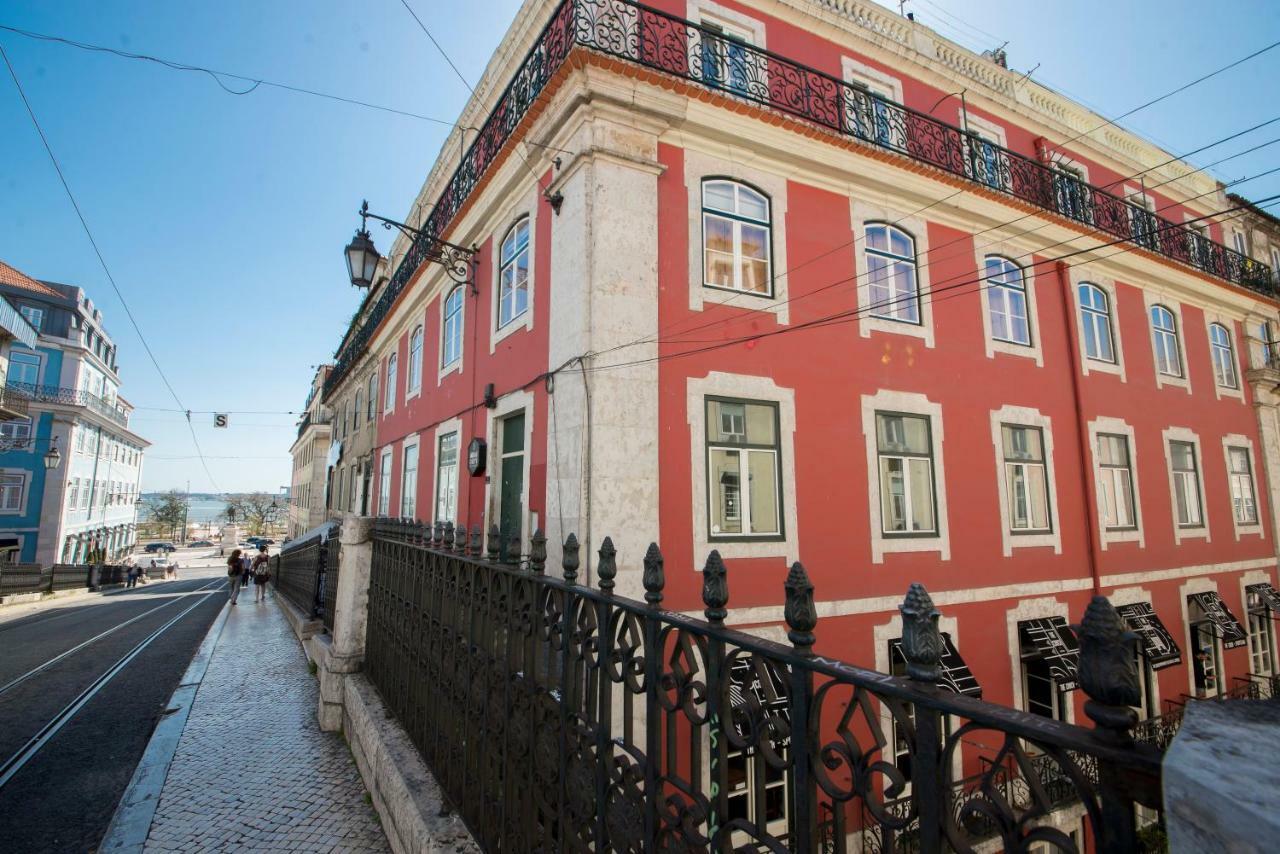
(235, 572)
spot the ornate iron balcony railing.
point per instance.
(671, 45)
(71, 397)
(13, 402)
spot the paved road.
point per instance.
(60, 797)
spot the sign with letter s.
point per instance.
(220, 419)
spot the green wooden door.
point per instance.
(511, 483)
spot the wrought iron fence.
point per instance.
(557, 716)
(24, 578)
(69, 576)
(637, 33)
(13, 401)
(299, 573)
(71, 397)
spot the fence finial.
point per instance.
(654, 580)
(437, 534)
(477, 541)
(570, 561)
(715, 589)
(447, 543)
(799, 611)
(607, 569)
(460, 539)
(512, 551)
(538, 552)
(1107, 668)
(495, 548)
(921, 642)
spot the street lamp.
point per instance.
(53, 457)
(362, 256)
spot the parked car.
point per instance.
(152, 548)
(201, 544)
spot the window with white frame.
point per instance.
(11, 488)
(413, 378)
(34, 316)
(1095, 322)
(1070, 190)
(736, 237)
(1262, 642)
(743, 474)
(409, 483)
(389, 403)
(1224, 364)
(447, 477)
(384, 483)
(1026, 478)
(1244, 505)
(1115, 482)
(1206, 650)
(23, 368)
(904, 450)
(372, 402)
(726, 60)
(1186, 484)
(1007, 301)
(18, 428)
(359, 411)
(73, 497)
(891, 273)
(451, 346)
(1238, 241)
(513, 273)
(1164, 337)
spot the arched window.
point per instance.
(451, 346)
(1224, 363)
(1095, 322)
(389, 401)
(891, 273)
(1007, 301)
(1164, 335)
(359, 414)
(513, 274)
(736, 238)
(413, 380)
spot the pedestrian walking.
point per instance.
(261, 574)
(246, 569)
(235, 573)
(132, 578)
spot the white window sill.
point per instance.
(1134, 536)
(869, 323)
(454, 367)
(1221, 391)
(1181, 382)
(523, 320)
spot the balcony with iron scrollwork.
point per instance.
(686, 53)
(14, 403)
(70, 397)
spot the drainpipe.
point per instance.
(1082, 428)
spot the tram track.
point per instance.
(12, 765)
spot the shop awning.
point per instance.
(1269, 595)
(1225, 624)
(1051, 639)
(1155, 642)
(955, 674)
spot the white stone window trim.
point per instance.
(699, 167)
(525, 207)
(862, 214)
(1221, 391)
(412, 391)
(390, 381)
(735, 23)
(1236, 440)
(1080, 275)
(508, 404)
(1138, 196)
(874, 79)
(750, 388)
(1257, 576)
(384, 480)
(1070, 163)
(1151, 299)
(1033, 609)
(413, 440)
(1201, 531)
(1119, 427)
(1197, 585)
(454, 367)
(1034, 350)
(882, 635)
(444, 428)
(1134, 596)
(1022, 416)
(909, 403)
(985, 128)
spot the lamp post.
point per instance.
(362, 256)
(52, 457)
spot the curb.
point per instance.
(132, 819)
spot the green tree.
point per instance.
(255, 511)
(167, 512)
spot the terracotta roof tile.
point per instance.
(18, 279)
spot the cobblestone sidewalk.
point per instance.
(253, 771)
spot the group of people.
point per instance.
(135, 575)
(241, 567)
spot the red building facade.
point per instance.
(699, 316)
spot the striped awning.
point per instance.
(955, 675)
(1157, 645)
(1269, 595)
(1225, 624)
(1051, 639)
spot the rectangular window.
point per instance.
(409, 483)
(743, 459)
(447, 478)
(34, 316)
(1025, 478)
(24, 368)
(19, 428)
(390, 402)
(73, 497)
(11, 491)
(372, 402)
(1115, 482)
(1206, 651)
(1238, 241)
(905, 452)
(1186, 484)
(384, 483)
(1240, 476)
(1261, 632)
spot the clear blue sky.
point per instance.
(222, 217)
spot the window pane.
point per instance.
(718, 195)
(760, 424)
(921, 495)
(893, 496)
(1183, 454)
(902, 433)
(718, 241)
(726, 494)
(763, 491)
(1038, 497)
(752, 204)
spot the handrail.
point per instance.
(70, 397)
